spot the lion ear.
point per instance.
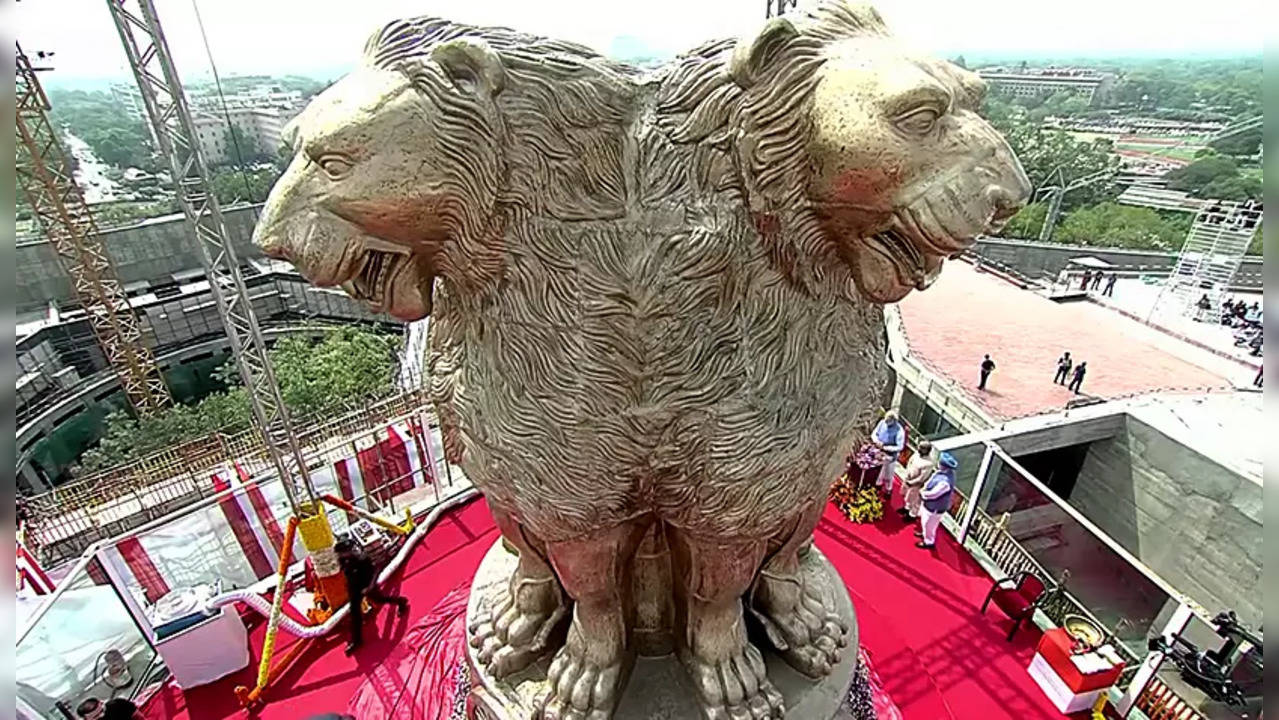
(754, 54)
(471, 65)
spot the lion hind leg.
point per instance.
(802, 627)
(528, 620)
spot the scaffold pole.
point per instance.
(174, 130)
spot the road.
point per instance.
(92, 172)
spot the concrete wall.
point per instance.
(150, 252)
(1195, 523)
(1036, 259)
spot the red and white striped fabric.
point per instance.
(31, 577)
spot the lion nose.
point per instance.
(1003, 204)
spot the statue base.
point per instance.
(659, 688)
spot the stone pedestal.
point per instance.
(659, 689)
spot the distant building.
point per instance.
(1088, 84)
(260, 113)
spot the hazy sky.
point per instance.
(321, 36)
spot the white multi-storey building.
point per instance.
(1033, 82)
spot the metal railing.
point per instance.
(1057, 602)
(68, 518)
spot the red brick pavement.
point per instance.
(967, 314)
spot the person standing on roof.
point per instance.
(1078, 379)
(987, 367)
(936, 496)
(1064, 363)
(890, 437)
(361, 582)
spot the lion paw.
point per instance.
(737, 688)
(580, 688)
(519, 630)
(808, 635)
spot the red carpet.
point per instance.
(917, 612)
(324, 679)
(935, 655)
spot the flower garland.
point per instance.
(859, 502)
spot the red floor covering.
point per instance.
(937, 656)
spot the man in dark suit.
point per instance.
(361, 582)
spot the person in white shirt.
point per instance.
(936, 494)
(890, 437)
(918, 470)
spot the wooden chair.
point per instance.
(1016, 597)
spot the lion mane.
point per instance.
(747, 136)
(555, 145)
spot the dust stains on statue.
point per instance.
(655, 301)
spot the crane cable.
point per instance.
(226, 113)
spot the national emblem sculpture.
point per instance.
(656, 310)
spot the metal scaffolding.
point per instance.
(1214, 248)
(58, 204)
(171, 121)
(776, 8)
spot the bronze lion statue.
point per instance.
(656, 301)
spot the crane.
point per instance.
(1055, 193)
(59, 207)
(174, 130)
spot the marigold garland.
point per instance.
(859, 505)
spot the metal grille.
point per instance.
(174, 130)
(59, 207)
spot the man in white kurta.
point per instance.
(936, 496)
(890, 437)
(918, 470)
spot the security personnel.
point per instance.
(361, 582)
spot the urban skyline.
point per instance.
(324, 43)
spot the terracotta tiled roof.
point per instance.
(967, 314)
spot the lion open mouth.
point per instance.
(375, 276)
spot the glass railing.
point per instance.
(1121, 596)
(64, 656)
(1017, 524)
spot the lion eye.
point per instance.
(334, 166)
(919, 122)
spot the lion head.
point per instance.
(861, 150)
(406, 168)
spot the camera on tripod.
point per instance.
(1230, 675)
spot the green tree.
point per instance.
(1217, 177)
(343, 368)
(114, 134)
(1027, 223)
(1113, 225)
(234, 185)
(1243, 144)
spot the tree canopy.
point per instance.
(1216, 177)
(343, 368)
(106, 125)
